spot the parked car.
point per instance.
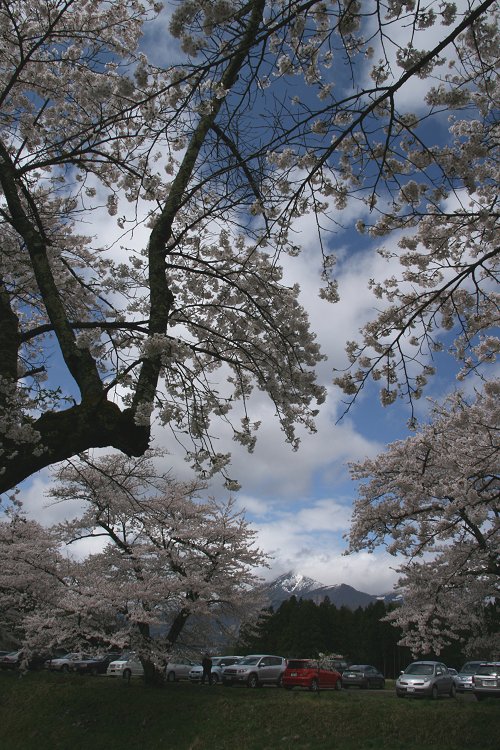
(255, 670)
(16, 660)
(425, 678)
(127, 665)
(179, 669)
(340, 665)
(362, 676)
(11, 660)
(218, 664)
(308, 673)
(486, 680)
(463, 680)
(94, 664)
(64, 663)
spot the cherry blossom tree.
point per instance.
(247, 116)
(433, 500)
(443, 212)
(169, 563)
(32, 572)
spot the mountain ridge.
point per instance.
(341, 594)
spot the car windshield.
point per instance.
(470, 667)
(356, 668)
(333, 666)
(419, 669)
(301, 664)
(249, 660)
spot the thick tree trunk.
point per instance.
(153, 676)
(66, 433)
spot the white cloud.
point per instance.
(308, 539)
(371, 573)
(397, 36)
(82, 548)
(38, 506)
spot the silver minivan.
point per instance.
(255, 670)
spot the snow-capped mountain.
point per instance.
(293, 584)
(341, 595)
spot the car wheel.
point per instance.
(338, 685)
(127, 674)
(479, 697)
(279, 681)
(215, 679)
(65, 668)
(435, 692)
(94, 671)
(288, 687)
(252, 681)
(400, 695)
(314, 686)
(453, 691)
(171, 677)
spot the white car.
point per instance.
(10, 659)
(179, 670)
(218, 664)
(127, 666)
(64, 663)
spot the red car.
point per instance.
(308, 673)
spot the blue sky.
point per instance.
(300, 503)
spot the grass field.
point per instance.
(58, 712)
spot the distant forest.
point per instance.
(302, 629)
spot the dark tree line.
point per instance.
(302, 629)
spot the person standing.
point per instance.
(207, 669)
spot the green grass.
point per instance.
(50, 712)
